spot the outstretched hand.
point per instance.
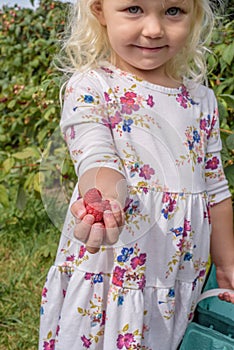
(94, 234)
(225, 279)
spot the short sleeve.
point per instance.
(84, 124)
(217, 184)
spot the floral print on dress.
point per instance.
(184, 98)
(129, 271)
(197, 139)
(169, 201)
(97, 319)
(123, 116)
(195, 146)
(130, 340)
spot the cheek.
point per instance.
(180, 37)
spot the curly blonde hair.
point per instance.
(86, 42)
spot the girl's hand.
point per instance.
(94, 234)
(225, 279)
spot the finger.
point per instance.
(118, 213)
(112, 228)
(95, 238)
(78, 209)
(82, 229)
(227, 297)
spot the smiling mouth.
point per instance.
(150, 49)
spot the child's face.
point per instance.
(146, 34)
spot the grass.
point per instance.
(27, 250)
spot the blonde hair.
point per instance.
(86, 43)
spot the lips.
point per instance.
(147, 48)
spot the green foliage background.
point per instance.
(36, 177)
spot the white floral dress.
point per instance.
(142, 292)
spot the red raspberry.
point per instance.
(92, 195)
(95, 205)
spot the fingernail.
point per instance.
(108, 213)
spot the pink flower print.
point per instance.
(214, 120)
(49, 345)
(128, 103)
(88, 276)
(180, 244)
(150, 101)
(146, 172)
(187, 228)
(142, 282)
(125, 340)
(57, 330)
(82, 251)
(212, 163)
(138, 261)
(199, 160)
(44, 292)
(116, 119)
(70, 258)
(113, 121)
(166, 197)
(202, 273)
(203, 124)
(172, 205)
(182, 100)
(72, 133)
(107, 97)
(103, 318)
(118, 275)
(86, 342)
(107, 70)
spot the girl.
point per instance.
(141, 129)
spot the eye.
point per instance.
(134, 10)
(173, 11)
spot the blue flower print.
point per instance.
(171, 293)
(134, 207)
(97, 278)
(191, 145)
(96, 319)
(126, 125)
(188, 256)
(177, 231)
(196, 136)
(120, 300)
(134, 169)
(88, 99)
(125, 254)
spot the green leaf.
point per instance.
(27, 153)
(229, 172)
(8, 164)
(230, 142)
(21, 199)
(36, 182)
(4, 200)
(229, 99)
(228, 53)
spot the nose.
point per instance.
(152, 27)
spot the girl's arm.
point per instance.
(222, 246)
(113, 187)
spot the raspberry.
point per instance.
(95, 205)
(92, 195)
